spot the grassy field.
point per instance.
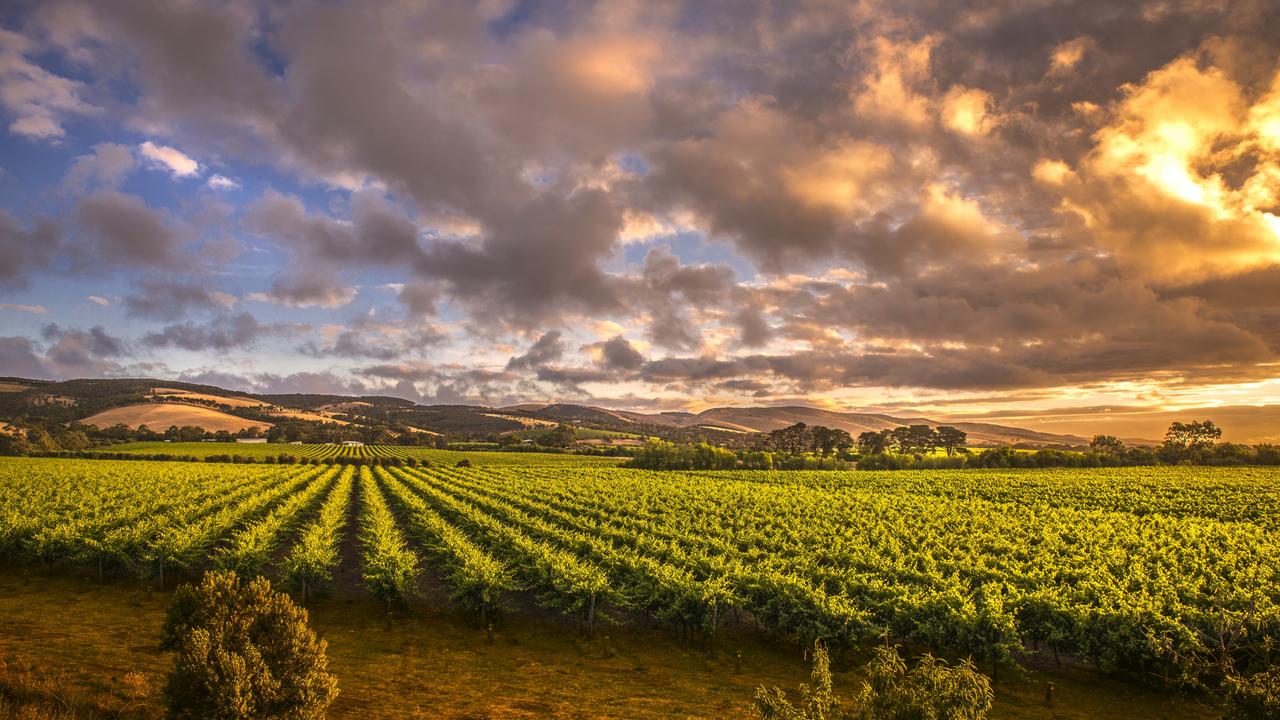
(445, 457)
(433, 663)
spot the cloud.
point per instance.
(617, 353)
(105, 167)
(71, 353)
(547, 349)
(33, 309)
(18, 357)
(25, 250)
(222, 334)
(770, 201)
(122, 230)
(99, 300)
(222, 182)
(157, 299)
(36, 99)
(370, 338)
(168, 158)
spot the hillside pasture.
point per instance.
(228, 400)
(160, 416)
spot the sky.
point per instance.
(1059, 212)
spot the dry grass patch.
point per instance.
(160, 416)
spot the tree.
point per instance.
(827, 440)
(1192, 435)
(932, 690)
(791, 440)
(951, 439)
(917, 439)
(561, 436)
(1106, 445)
(40, 440)
(14, 444)
(244, 651)
(874, 442)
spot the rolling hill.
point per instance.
(159, 404)
(764, 419)
(159, 416)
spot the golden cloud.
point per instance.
(1184, 179)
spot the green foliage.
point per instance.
(312, 559)
(561, 436)
(390, 567)
(1135, 569)
(932, 690)
(817, 699)
(1106, 445)
(663, 455)
(1253, 698)
(244, 651)
(477, 579)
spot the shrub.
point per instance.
(244, 651)
(1253, 698)
(932, 689)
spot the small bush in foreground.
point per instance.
(1253, 698)
(932, 690)
(244, 651)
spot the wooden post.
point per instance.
(490, 633)
(1048, 694)
(591, 615)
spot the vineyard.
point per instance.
(1164, 573)
(259, 451)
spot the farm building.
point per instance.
(251, 440)
(352, 443)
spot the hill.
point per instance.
(737, 420)
(159, 416)
(89, 400)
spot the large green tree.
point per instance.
(1196, 434)
(244, 651)
(874, 442)
(951, 439)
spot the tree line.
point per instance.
(1185, 443)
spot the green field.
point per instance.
(1129, 571)
(446, 457)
